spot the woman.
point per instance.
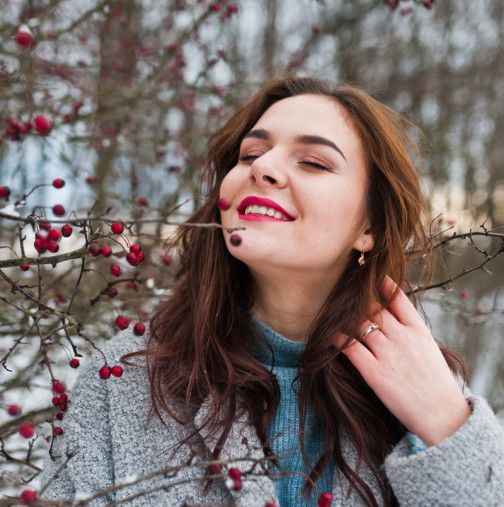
(287, 352)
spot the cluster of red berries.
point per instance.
(227, 13)
(61, 402)
(224, 205)
(106, 371)
(47, 238)
(59, 298)
(15, 129)
(123, 323)
(68, 117)
(234, 475)
(394, 4)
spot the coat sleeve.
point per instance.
(465, 469)
(86, 432)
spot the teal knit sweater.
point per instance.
(283, 431)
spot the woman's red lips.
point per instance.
(262, 201)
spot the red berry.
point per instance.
(91, 179)
(237, 485)
(27, 430)
(24, 37)
(106, 251)
(28, 496)
(64, 397)
(58, 183)
(325, 500)
(428, 4)
(136, 249)
(63, 406)
(112, 292)
(117, 228)
(66, 230)
(42, 124)
(223, 204)
(117, 371)
(4, 192)
(139, 328)
(53, 247)
(216, 467)
(235, 239)
(13, 410)
(58, 387)
(60, 416)
(316, 29)
(142, 201)
(58, 210)
(74, 363)
(132, 258)
(55, 401)
(270, 504)
(45, 226)
(40, 245)
(166, 259)
(141, 257)
(464, 294)
(58, 431)
(94, 250)
(105, 371)
(115, 269)
(479, 309)
(54, 235)
(234, 473)
(122, 322)
(25, 267)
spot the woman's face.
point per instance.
(299, 188)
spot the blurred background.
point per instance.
(118, 98)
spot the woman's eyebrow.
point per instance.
(257, 134)
(307, 139)
(304, 139)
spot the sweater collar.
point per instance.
(285, 352)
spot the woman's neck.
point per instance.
(289, 305)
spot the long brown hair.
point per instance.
(201, 341)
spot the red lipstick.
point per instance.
(261, 201)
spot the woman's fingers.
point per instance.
(361, 357)
(400, 306)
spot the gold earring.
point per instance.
(361, 260)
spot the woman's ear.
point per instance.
(365, 241)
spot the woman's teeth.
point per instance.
(256, 209)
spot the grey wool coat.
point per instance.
(115, 448)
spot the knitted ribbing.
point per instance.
(283, 431)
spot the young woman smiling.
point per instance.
(294, 342)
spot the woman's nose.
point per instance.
(269, 170)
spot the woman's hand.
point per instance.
(404, 366)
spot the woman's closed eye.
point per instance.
(250, 157)
(316, 165)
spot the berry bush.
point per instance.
(106, 109)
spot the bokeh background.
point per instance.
(132, 89)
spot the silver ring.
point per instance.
(370, 328)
